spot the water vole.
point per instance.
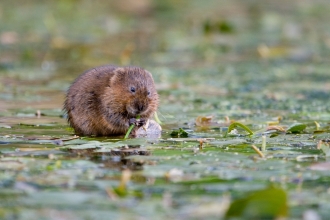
(105, 100)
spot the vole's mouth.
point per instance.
(133, 112)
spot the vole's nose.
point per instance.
(139, 107)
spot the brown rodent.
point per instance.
(103, 101)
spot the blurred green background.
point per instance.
(223, 46)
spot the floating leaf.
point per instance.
(4, 126)
(179, 133)
(273, 135)
(206, 180)
(296, 128)
(89, 145)
(272, 52)
(270, 203)
(306, 157)
(272, 123)
(233, 125)
(204, 121)
(275, 127)
(129, 142)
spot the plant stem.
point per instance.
(156, 118)
(131, 128)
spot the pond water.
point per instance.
(262, 64)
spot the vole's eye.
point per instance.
(148, 93)
(132, 89)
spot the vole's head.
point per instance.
(134, 91)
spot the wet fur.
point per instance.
(100, 101)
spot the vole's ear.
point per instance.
(119, 70)
(118, 75)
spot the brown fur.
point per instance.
(100, 101)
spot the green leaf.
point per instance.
(225, 27)
(268, 203)
(130, 128)
(296, 128)
(207, 180)
(157, 119)
(233, 125)
(179, 133)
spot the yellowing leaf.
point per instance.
(204, 121)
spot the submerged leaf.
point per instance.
(268, 203)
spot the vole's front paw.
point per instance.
(132, 121)
(137, 122)
(142, 121)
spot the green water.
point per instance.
(255, 62)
